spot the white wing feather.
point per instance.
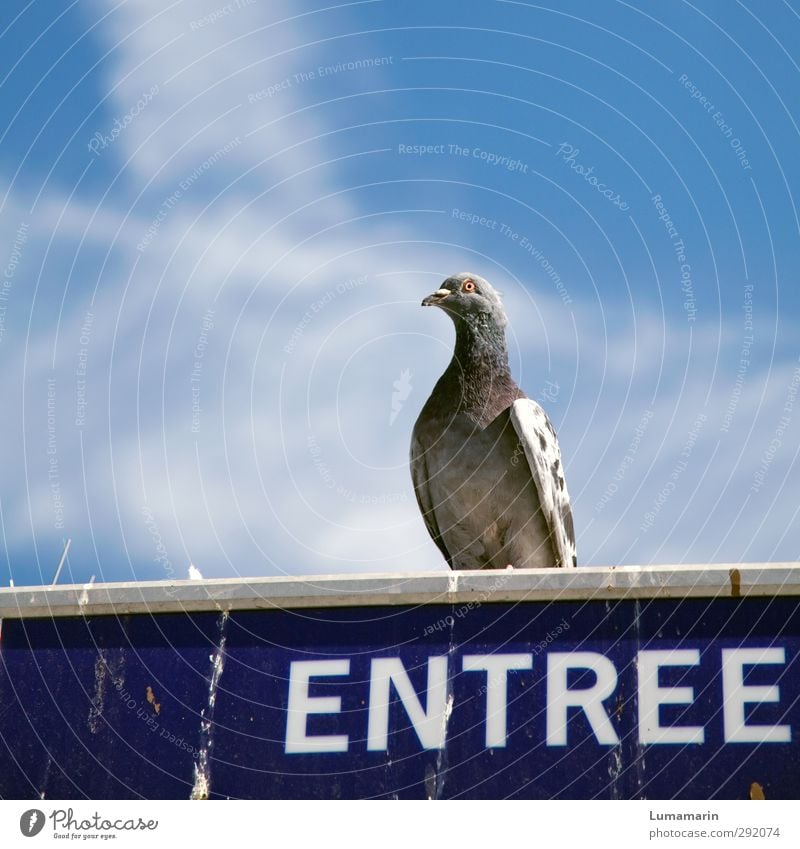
(538, 440)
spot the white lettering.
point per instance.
(736, 694)
(301, 705)
(588, 699)
(496, 667)
(429, 724)
(652, 696)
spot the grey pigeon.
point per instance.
(485, 460)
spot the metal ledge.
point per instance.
(589, 584)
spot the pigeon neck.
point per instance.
(478, 381)
(480, 345)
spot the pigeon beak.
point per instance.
(436, 298)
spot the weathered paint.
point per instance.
(195, 704)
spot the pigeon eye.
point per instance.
(469, 286)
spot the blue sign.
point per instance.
(657, 699)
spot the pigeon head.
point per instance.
(470, 300)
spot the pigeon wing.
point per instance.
(419, 476)
(538, 440)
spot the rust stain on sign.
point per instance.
(736, 583)
(151, 698)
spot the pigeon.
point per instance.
(485, 460)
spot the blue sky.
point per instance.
(218, 221)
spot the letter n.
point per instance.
(430, 724)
